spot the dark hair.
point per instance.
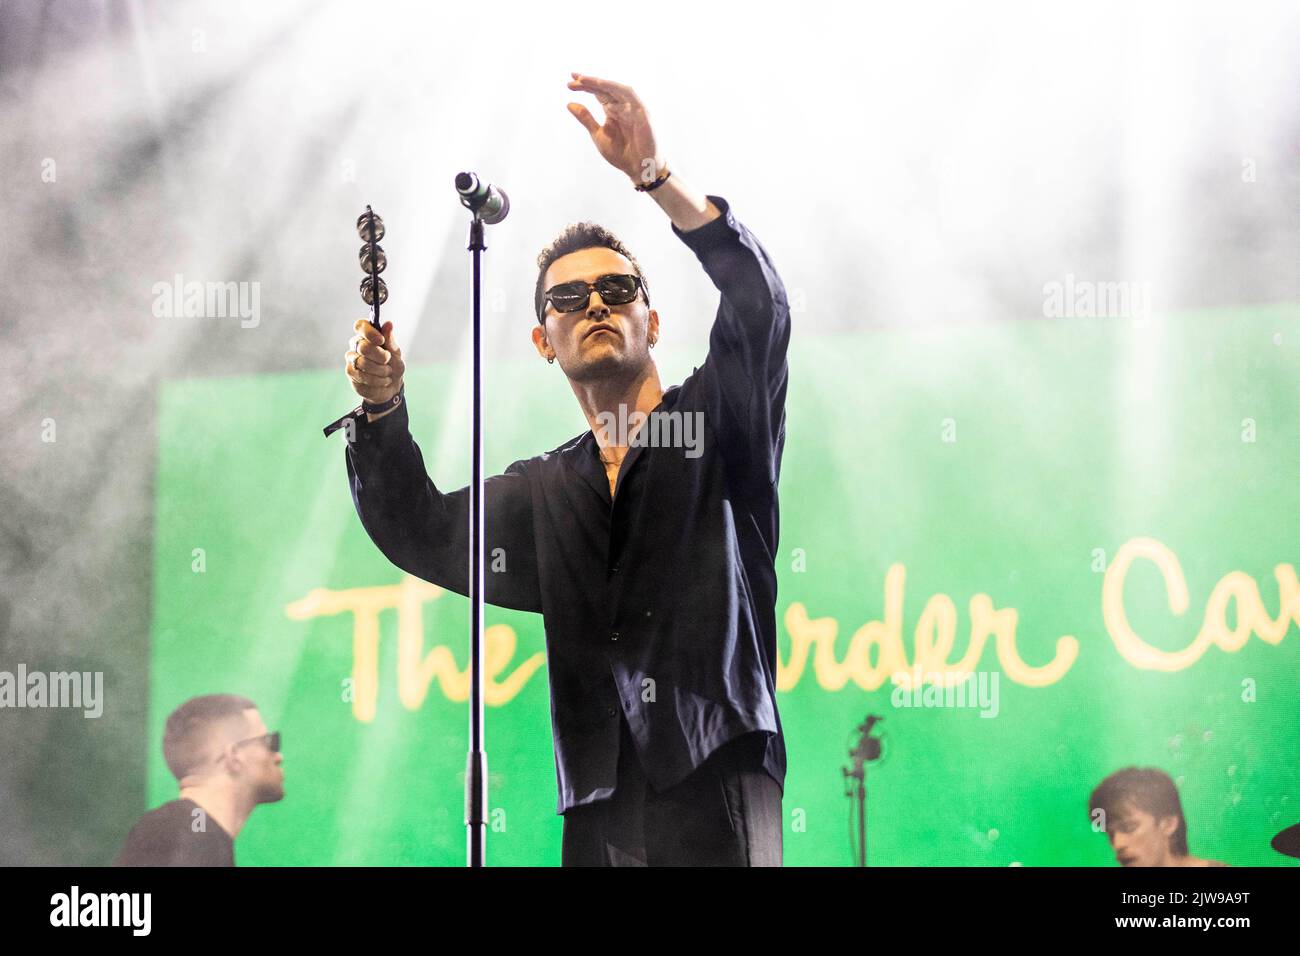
(574, 238)
(187, 728)
(1150, 790)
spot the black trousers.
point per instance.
(726, 813)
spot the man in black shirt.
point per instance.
(649, 550)
(227, 763)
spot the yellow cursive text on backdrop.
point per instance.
(1236, 586)
(935, 634)
(415, 669)
(876, 652)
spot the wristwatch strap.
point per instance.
(360, 411)
(385, 406)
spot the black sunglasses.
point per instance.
(613, 289)
(272, 741)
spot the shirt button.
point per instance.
(614, 569)
(613, 635)
(612, 711)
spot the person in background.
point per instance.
(1143, 818)
(226, 763)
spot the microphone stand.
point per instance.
(476, 762)
(866, 749)
(476, 197)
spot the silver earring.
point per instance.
(550, 359)
(652, 342)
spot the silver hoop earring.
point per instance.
(550, 359)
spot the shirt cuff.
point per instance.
(711, 233)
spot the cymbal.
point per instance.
(1288, 841)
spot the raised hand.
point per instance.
(374, 363)
(625, 139)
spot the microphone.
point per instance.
(489, 202)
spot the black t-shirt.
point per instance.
(179, 833)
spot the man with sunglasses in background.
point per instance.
(226, 763)
(651, 563)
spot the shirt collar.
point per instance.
(583, 453)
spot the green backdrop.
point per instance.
(1026, 462)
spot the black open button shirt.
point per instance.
(660, 603)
